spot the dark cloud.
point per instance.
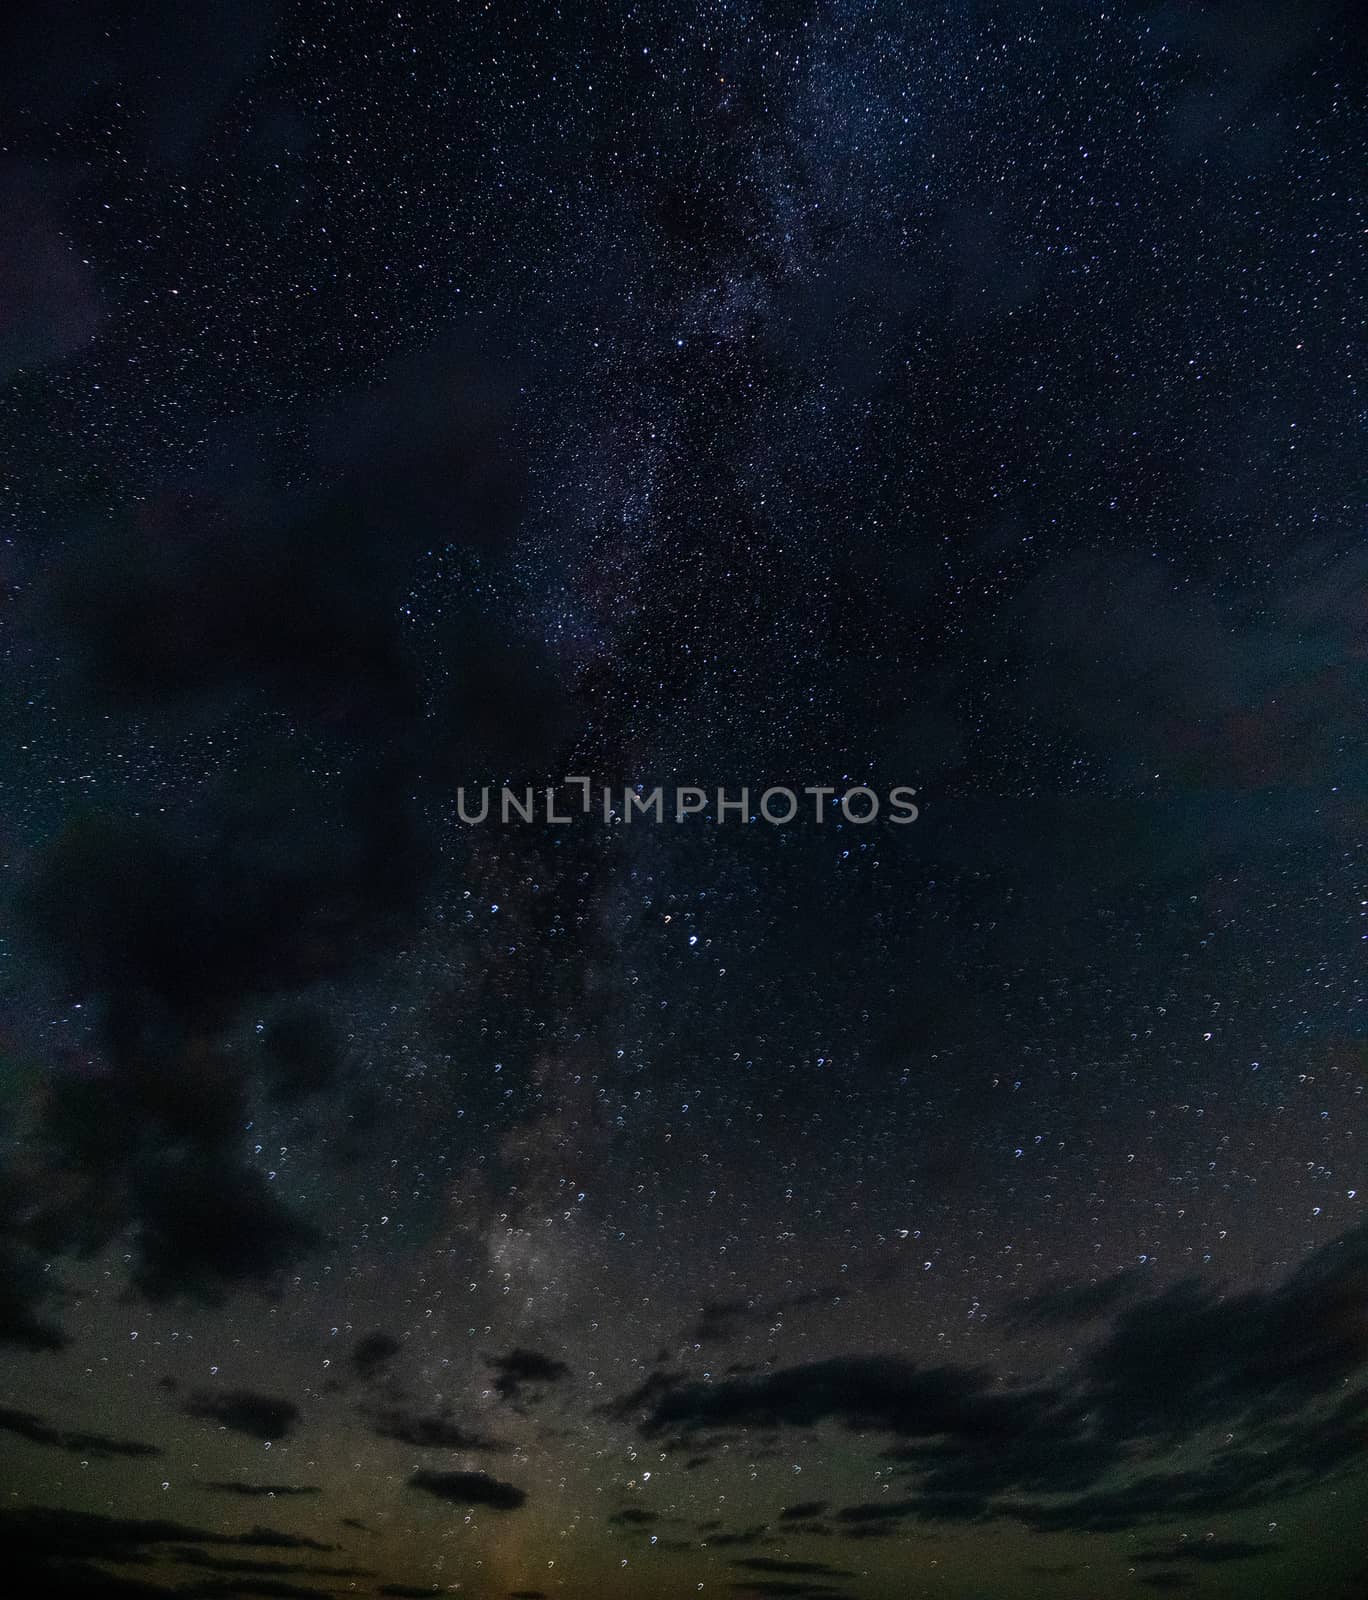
(257, 1491)
(876, 1511)
(1192, 1357)
(803, 1510)
(272, 1539)
(520, 1368)
(1216, 1551)
(26, 1425)
(236, 1564)
(870, 1392)
(50, 1550)
(722, 1320)
(780, 1586)
(806, 1569)
(208, 1222)
(25, 1287)
(242, 1584)
(57, 1576)
(149, 1137)
(1269, 1366)
(373, 1353)
(304, 1053)
(258, 620)
(469, 1489)
(430, 1432)
(21, 1325)
(303, 614)
(261, 1416)
(1067, 1305)
(755, 1534)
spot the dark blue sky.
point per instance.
(400, 398)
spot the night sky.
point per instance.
(400, 400)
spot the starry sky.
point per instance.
(403, 398)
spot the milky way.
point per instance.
(401, 401)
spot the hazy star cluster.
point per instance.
(402, 401)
